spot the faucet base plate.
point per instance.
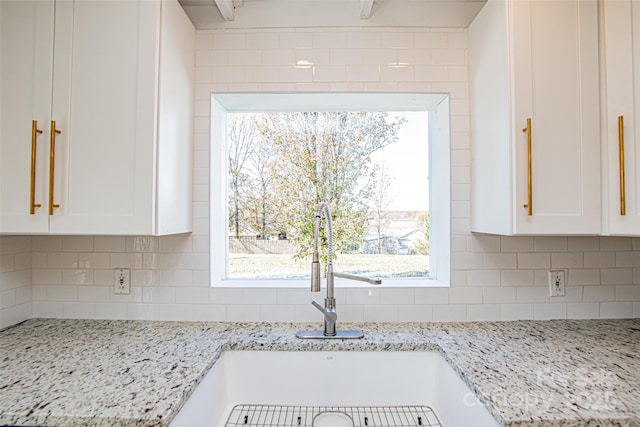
(341, 335)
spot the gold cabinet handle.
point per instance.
(52, 162)
(529, 204)
(623, 202)
(32, 189)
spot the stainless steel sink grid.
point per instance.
(303, 416)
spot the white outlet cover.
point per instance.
(557, 283)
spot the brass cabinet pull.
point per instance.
(529, 204)
(52, 161)
(623, 202)
(32, 190)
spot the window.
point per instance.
(262, 209)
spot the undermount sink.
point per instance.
(331, 381)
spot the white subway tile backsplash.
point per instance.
(51, 309)
(346, 56)
(583, 310)
(415, 313)
(613, 310)
(599, 259)
(396, 296)
(611, 243)
(329, 40)
(78, 310)
(533, 260)
(627, 293)
(15, 244)
(517, 277)
(448, 56)
(329, 73)
(94, 260)
(364, 73)
(228, 41)
(449, 313)
(109, 244)
(277, 313)
(483, 312)
(498, 295)
(94, 293)
(112, 311)
(628, 259)
(8, 298)
(465, 295)
(616, 276)
(192, 294)
(516, 312)
(598, 293)
(517, 244)
(436, 40)
(550, 311)
(364, 40)
(296, 39)
(380, 313)
(46, 276)
(431, 296)
(530, 294)
(259, 296)
(244, 313)
(362, 296)
(492, 277)
(502, 261)
(348, 313)
(77, 277)
(46, 243)
(567, 260)
(225, 296)
(62, 260)
(210, 312)
(77, 243)
(483, 278)
(262, 40)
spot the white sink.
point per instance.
(333, 379)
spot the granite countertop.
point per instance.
(139, 373)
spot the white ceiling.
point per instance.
(223, 14)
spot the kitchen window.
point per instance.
(257, 221)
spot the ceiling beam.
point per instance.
(226, 9)
(365, 8)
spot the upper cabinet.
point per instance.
(534, 77)
(622, 100)
(97, 117)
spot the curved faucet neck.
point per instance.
(323, 208)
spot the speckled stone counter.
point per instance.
(132, 373)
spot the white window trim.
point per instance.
(439, 170)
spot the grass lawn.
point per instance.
(266, 266)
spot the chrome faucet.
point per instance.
(329, 309)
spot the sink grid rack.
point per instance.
(303, 416)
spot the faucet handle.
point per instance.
(331, 316)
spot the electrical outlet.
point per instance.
(556, 283)
(122, 283)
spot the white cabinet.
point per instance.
(622, 100)
(535, 60)
(117, 78)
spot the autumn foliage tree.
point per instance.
(322, 156)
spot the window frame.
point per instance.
(437, 105)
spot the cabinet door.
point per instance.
(25, 93)
(104, 99)
(555, 51)
(622, 56)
